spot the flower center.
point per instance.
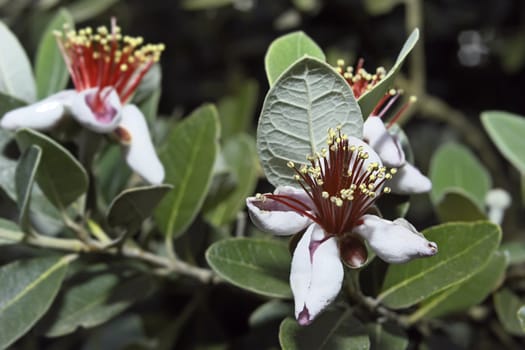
(104, 112)
(341, 182)
(358, 78)
(104, 58)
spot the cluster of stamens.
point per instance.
(358, 78)
(340, 182)
(105, 58)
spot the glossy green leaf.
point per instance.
(241, 156)
(454, 166)
(521, 317)
(368, 100)
(60, 176)
(94, 300)
(50, 69)
(515, 251)
(10, 233)
(464, 248)
(286, 50)
(236, 112)
(188, 156)
(27, 289)
(272, 310)
(134, 205)
(8, 103)
(307, 100)
(455, 205)
(260, 266)
(507, 305)
(467, 294)
(82, 10)
(386, 336)
(26, 171)
(16, 76)
(332, 330)
(506, 130)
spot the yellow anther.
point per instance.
(325, 194)
(123, 67)
(340, 62)
(387, 190)
(393, 171)
(290, 164)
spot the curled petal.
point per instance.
(394, 242)
(386, 145)
(316, 274)
(272, 216)
(139, 150)
(42, 115)
(103, 119)
(409, 180)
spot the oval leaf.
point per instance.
(94, 300)
(24, 178)
(454, 166)
(260, 266)
(455, 205)
(332, 330)
(286, 50)
(8, 103)
(9, 232)
(506, 130)
(27, 289)
(386, 336)
(273, 310)
(464, 248)
(50, 69)
(507, 305)
(188, 156)
(131, 207)
(307, 100)
(16, 77)
(60, 176)
(467, 294)
(368, 100)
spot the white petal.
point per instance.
(373, 157)
(140, 153)
(316, 274)
(386, 145)
(42, 115)
(99, 122)
(274, 217)
(408, 180)
(394, 242)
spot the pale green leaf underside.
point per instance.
(307, 100)
(24, 179)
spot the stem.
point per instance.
(417, 70)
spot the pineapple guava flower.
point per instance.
(106, 69)
(332, 202)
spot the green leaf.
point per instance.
(131, 207)
(515, 251)
(386, 336)
(188, 156)
(332, 330)
(467, 294)
(260, 266)
(241, 156)
(9, 232)
(112, 173)
(27, 289)
(82, 10)
(236, 112)
(286, 50)
(368, 100)
(8, 103)
(464, 248)
(521, 317)
(50, 69)
(454, 166)
(124, 333)
(455, 205)
(507, 305)
(270, 311)
(150, 106)
(16, 77)
(24, 178)
(506, 130)
(60, 176)
(94, 300)
(149, 85)
(307, 100)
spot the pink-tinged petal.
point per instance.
(103, 121)
(409, 180)
(139, 151)
(272, 216)
(316, 274)
(42, 115)
(394, 241)
(386, 145)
